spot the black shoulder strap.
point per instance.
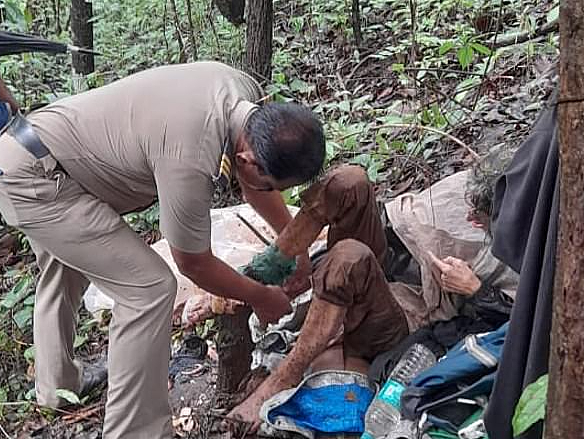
(24, 133)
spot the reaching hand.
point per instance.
(273, 305)
(455, 275)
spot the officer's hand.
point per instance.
(273, 305)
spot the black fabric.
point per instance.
(525, 220)
(24, 133)
(489, 303)
(13, 43)
(399, 264)
(444, 404)
(450, 416)
(193, 351)
(438, 337)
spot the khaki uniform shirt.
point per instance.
(159, 134)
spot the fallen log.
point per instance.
(510, 40)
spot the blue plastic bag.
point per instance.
(325, 402)
(5, 114)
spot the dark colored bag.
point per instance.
(438, 337)
(489, 304)
(448, 392)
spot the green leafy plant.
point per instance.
(466, 47)
(531, 406)
(18, 303)
(18, 16)
(68, 395)
(371, 163)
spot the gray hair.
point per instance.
(480, 185)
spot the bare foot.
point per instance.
(248, 412)
(206, 306)
(199, 309)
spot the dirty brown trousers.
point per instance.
(351, 274)
(80, 239)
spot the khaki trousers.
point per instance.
(80, 239)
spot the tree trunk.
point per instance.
(182, 56)
(356, 21)
(232, 10)
(57, 12)
(259, 18)
(82, 35)
(164, 16)
(192, 39)
(234, 348)
(566, 384)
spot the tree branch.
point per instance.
(418, 127)
(510, 40)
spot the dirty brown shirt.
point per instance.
(155, 134)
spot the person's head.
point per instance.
(480, 187)
(282, 145)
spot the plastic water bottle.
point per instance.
(383, 414)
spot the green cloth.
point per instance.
(270, 267)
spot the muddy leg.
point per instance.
(322, 324)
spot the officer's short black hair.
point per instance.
(287, 140)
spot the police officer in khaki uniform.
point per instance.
(73, 168)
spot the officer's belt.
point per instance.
(24, 133)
